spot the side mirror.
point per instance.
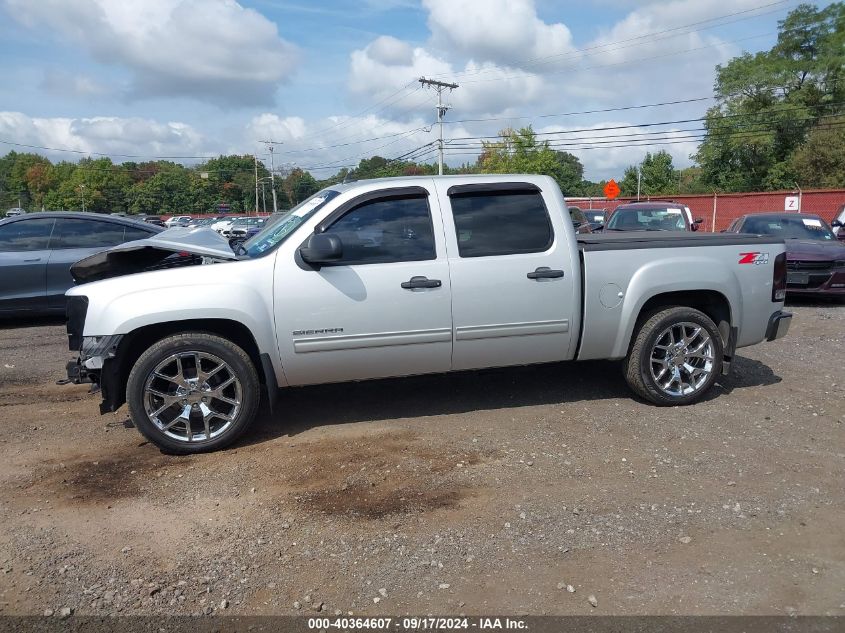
(698, 221)
(836, 223)
(322, 248)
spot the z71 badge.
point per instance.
(754, 258)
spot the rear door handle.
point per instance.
(421, 282)
(29, 261)
(544, 272)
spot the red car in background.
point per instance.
(815, 259)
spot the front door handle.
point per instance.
(34, 259)
(421, 282)
(544, 272)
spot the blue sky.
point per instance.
(203, 77)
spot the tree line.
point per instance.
(778, 121)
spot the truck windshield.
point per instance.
(279, 226)
(646, 220)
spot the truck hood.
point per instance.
(179, 246)
(814, 250)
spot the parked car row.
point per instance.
(37, 249)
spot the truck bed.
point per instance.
(644, 264)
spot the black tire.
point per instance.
(238, 364)
(637, 366)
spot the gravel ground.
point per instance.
(541, 490)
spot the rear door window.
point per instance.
(78, 233)
(501, 223)
(26, 235)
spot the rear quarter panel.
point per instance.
(618, 283)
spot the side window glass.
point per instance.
(501, 223)
(76, 233)
(134, 233)
(385, 231)
(26, 235)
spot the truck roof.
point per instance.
(411, 180)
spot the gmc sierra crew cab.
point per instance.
(396, 277)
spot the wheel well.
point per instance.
(136, 342)
(714, 304)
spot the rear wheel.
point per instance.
(193, 393)
(676, 357)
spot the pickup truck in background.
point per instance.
(405, 276)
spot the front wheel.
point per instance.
(193, 393)
(676, 357)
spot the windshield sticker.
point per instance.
(811, 222)
(306, 208)
(674, 211)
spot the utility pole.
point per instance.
(270, 146)
(263, 196)
(82, 189)
(255, 158)
(439, 86)
(639, 177)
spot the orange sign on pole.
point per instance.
(611, 189)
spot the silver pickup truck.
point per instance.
(408, 276)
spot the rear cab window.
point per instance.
(500, 221)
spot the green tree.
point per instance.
(519, 152)
(820, 161)
(657, 176)
(767, 102)
(299, 185)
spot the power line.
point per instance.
(664, 140)
(661, 123)
(649, 37)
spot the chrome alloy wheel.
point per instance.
(682, 359)
(192, 396)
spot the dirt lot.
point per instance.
(471, 493)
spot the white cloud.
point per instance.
(668, 21)
(206, 49)
(106, 135)
(63, 84)
(503, 31)
(386, 65)
(390, 51)
(371, 75)
(268, 126)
